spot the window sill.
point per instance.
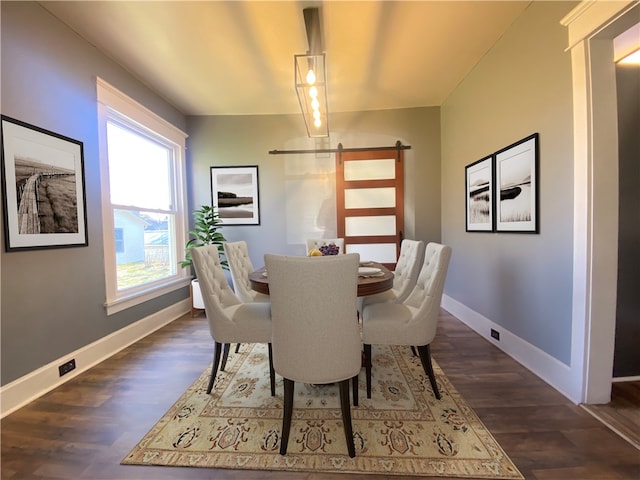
(138, 297)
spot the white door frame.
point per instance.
(592, 27)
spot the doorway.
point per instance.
(626, 359)
(592, 28)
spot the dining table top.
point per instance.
(368, 284)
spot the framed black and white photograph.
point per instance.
(44, 188)
(234, 194)
(516, 168)
(479, 195)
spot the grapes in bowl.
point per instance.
(330, 249)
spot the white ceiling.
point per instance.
(236, 57)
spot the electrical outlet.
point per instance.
(495, 334)
(67, 367)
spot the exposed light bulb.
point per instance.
(309, 80)
(311, 77)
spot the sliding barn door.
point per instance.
(370, 202)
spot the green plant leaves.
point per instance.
(205, 232)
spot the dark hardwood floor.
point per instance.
(84, 428)
(622, 413)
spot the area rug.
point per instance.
(402, 430)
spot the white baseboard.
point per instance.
(35, 384)
(548, 368)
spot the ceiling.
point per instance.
(236, 57)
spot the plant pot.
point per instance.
(196, 295)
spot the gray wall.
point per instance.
(626, 360)
(522, 282)
(52, 300)
(246, 140)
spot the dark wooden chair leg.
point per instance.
(354, 383)
(367, 367)
(225, 356)
(345, 406)
(425, 358)
(272, 372)
(413, 350)
(214, 368)
(286, 416)
(238, 347)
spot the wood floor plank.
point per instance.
(84, 428)
(622, 413)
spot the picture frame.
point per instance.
(517, 186)
(479, 195)
(44, 188)
(235, 194)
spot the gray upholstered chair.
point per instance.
(315, 336)
(316, 243)
(405, 275)
(414, 321)
(240, 267)
(230, 320)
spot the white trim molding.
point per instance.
(27, 388)
(592, 26)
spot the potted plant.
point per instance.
(206, 231)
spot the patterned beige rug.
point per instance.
(402, 430)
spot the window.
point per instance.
(142, 170)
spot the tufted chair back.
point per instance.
(240, 267)
(216, 292)
(230, 320)
(426, 296)
(405, 275)
(407, 268)
(316, 338)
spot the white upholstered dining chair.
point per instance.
(230, 320)
(240, 266)
(315, 336)
(414, 321)
(405, 275)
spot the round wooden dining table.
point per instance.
(367, 285)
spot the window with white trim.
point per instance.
(142, 164)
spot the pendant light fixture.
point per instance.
(311, 78)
